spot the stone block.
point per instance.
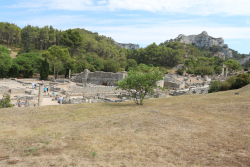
(17, 90)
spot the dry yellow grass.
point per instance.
(191, 130)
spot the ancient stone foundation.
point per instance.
(99, 77)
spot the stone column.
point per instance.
(69, 73)
(222, 73)
(226, 72)
(40, 95)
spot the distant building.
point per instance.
(128, 45)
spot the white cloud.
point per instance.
(194, 7)
(102, 2)
(200, 7)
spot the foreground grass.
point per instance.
(192, 130)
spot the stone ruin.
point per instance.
(92, 87)
(99, 77)
(181, 85)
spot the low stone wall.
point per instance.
(160, 83)
(199, 90)
(93, 89)
(174, 85)
(99, 77)
(17, 90)
(192, 90)
(4, 89)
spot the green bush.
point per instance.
(190, 71)
(111, 66)
(233, 82)
(225, 86)
(5, 101)
(215, 86)
(241, 80)
(180, 71)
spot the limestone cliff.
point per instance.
(244, 61)
(204, 40)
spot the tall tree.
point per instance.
(73, 40)
(26, 35)
(5, 61)
(58, 56)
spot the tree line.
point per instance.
(79, 49)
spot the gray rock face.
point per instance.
(204, 40)
(227, 52)
(244, 60)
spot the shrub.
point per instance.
(215, 86)
(231, 79)
(180, 71)
(241, 80)
(5, 101)
(225, 86)
(190, 71)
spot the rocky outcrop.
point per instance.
(204, 40)
(128, 45)
(244, 60)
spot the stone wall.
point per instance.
(99, 77)
(17, 90)
(160, 83)
(174, 85)
(4, 89)
(96, 89)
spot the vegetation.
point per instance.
(140, 82)
(5, 101)
(233, 82)
(88, 50)
(44, 70)
(5, 61)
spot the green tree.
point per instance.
(233, 64)
(23, 66)
(26, 35)
(131, 63)
(111, 66)
(44, 70)
(58, 56)
(72, 39)
(140, 82)
(5, 61)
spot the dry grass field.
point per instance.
(190, 130)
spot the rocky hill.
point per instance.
(244, 61)
(204, 40)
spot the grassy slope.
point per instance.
(192, 130)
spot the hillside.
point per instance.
(191, 130)
(201, 54)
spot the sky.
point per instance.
(138, 21)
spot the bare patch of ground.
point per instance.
(13, 54)
(190, 130)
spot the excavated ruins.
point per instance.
(92, 87)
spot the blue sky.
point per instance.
(138, 21)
